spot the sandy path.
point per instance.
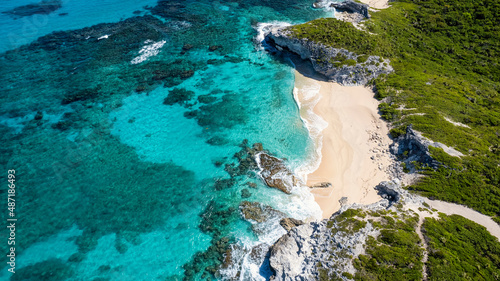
(377, 4)
(353, 144)
(455, 209)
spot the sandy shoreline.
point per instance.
(353, 144)
(377, 4)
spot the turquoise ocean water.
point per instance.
(123, 120)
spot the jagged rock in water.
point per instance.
(275, 173)
(289, 223)
(323, 57)
(258, 212)
(262, 217)
(353, 7)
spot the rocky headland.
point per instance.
(342, 246)
(336, 64)
(329, 247)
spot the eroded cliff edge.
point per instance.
(336, 64)
(389, 236)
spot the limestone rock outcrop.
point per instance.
(352, 7)
(357, 72)
(415, 147)
(289, 223)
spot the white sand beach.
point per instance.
(377, 4)
(353, 144)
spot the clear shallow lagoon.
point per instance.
(120, 127)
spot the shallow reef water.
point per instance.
(128, 129)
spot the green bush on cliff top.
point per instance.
(460, 249)
(446, 60)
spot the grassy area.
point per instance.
(460, 249)
(446, 57)
(395, 254)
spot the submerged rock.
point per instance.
(245, 193)
(258, 212)
(252, 184)
(45, 7)
(187, 47)
(80, 95)
(214, 48)
(180, 96)
(39, 115)
(206, 99)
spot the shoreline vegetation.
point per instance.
(446, 67)
(446, 85)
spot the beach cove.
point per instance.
(353, 142)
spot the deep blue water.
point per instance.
(123, 125)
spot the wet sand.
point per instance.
(353, 141)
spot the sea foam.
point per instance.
(306, 97)
(150, 49)
(263, 28)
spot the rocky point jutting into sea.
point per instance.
(174, 140)
(326, 60)
(340, 247)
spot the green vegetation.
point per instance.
(347, 221)
(398, 131)
(446, 60)
(395, 254)
(460, 249)
(49, 270)
(362, 58)
(340, 35)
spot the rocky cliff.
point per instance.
(325, 249)
(413, 147)
(336, 64)
(352, 7)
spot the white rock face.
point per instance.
(298, 254)
(322, 59)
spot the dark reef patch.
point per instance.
(49, 270)
(215, 221)
(76, 175)
(180, 96)
(224, 114)
(45, 7)
(100, 70)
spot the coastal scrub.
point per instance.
(445, 56)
